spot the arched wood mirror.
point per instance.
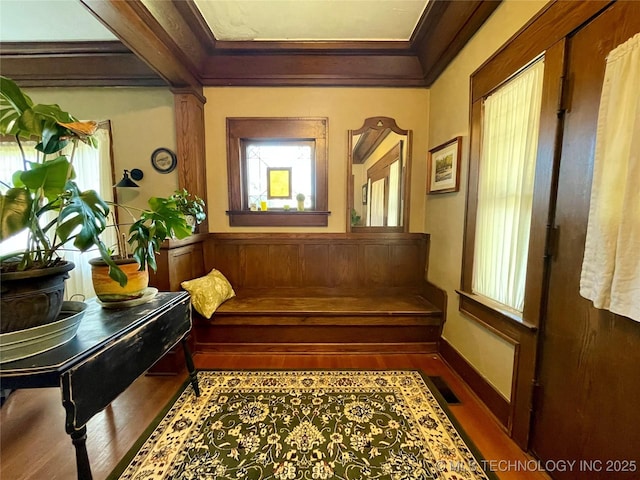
(378, 177)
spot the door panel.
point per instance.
(589, 368)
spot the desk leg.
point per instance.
(79, 439)
(192, 370)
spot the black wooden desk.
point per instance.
(111, 349)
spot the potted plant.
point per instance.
(191, 206)
(164, 219)
(300, 199)
(45, 201)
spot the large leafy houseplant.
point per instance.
(47, 184)
(45, 200)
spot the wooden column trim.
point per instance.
(190, 140)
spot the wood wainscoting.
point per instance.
(322, 293)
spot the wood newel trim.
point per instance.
(546, 171)
(350, 179)
(472, 197)
(406, 183)
(190, 141)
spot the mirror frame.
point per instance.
(380, 124)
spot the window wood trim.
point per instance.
(545, 177)
(310, 128)
(520, 331)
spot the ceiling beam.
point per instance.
(48, 64)
(444, 29)
(137, 28)
(312, 69)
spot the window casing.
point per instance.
(254, 146)
(510, 126)
(496, 315)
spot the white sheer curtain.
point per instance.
(393, 219)
(511, 119)
(11, 161)
(93, 170)
(611, 266)
(376, 201)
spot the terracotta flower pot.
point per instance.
(109, 290)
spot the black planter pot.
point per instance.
(32, 298)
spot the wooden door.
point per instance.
(588, 406)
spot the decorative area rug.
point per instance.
(288, 425)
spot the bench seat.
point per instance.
(322, 292)
(260, 323)
(334, 306)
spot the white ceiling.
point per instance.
(328, 20)
(339, 20)
(49, 20)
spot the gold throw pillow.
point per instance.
(208, 292)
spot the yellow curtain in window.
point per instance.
(611, 267)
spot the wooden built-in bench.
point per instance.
(322, 292)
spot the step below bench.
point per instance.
(322, 293)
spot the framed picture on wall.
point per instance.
(443, 167)
(365, 190)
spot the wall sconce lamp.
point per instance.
(126, 182)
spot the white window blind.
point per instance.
(510, 124)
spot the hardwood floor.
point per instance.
(34, 445)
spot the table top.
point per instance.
(98, 328)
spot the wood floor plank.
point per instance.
(34, 445)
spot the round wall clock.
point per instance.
(163, 160)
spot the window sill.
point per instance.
(278, 218)
(500, 320)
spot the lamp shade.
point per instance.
(126, 182)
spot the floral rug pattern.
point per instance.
(288, 425)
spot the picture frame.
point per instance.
(365, 191)
(443, 167)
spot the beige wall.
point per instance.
(142, 119)
(489, 354)
(346, 108)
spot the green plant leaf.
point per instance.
(146, 235)
(50, 176)
(52, 137)
(84, 215)
(8, 120)
(115, 273)
(11, 93)
(15, 207)
(54, 113)
(30, 122)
